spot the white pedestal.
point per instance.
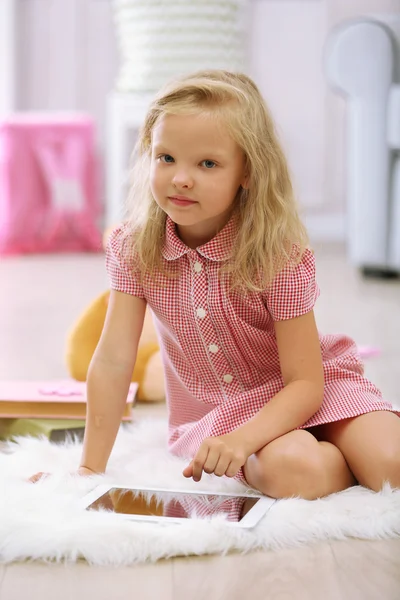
(125, 112)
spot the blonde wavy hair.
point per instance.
(270, 234)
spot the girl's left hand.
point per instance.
(222, 455)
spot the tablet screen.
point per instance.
(174, 504)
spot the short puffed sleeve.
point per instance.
(294, 290)
(122, 265)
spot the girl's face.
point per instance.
(196, 171)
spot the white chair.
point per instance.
(363, 62)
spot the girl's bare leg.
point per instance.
(296, 464)
(370, 444)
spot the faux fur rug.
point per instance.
(44, 521)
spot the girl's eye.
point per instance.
(208, 164)
(167, 158)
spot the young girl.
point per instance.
(215, 247)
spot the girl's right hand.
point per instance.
(83, 471)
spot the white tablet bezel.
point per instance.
(251, 518)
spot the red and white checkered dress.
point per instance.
(218, 347)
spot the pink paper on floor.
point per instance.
(61, 399)
(368, 351)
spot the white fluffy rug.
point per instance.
(43, 521)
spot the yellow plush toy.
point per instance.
(83, 339)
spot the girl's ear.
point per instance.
(245, 181)
(246, 176)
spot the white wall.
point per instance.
(68, 60)
(287, 43)
(7, 55)
(67, 55)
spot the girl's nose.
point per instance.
(182, 179)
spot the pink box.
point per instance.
(49, 192)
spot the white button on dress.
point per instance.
(197, 266)
(228, 378)
(213, 348)
(201, 313)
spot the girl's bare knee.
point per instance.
(287, 468)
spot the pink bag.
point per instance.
(48, 185)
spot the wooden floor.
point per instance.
(350, 570)
(40, 299)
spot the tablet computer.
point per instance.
(177, 506)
